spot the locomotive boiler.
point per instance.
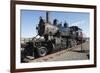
(55, 37)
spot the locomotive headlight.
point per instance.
(41, 29)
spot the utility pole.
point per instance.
(81, 40)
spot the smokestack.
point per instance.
(47, 16)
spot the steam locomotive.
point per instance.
(55, 37)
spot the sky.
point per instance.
(30, 19)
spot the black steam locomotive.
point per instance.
(54, 37)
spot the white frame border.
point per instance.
(52, 64)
